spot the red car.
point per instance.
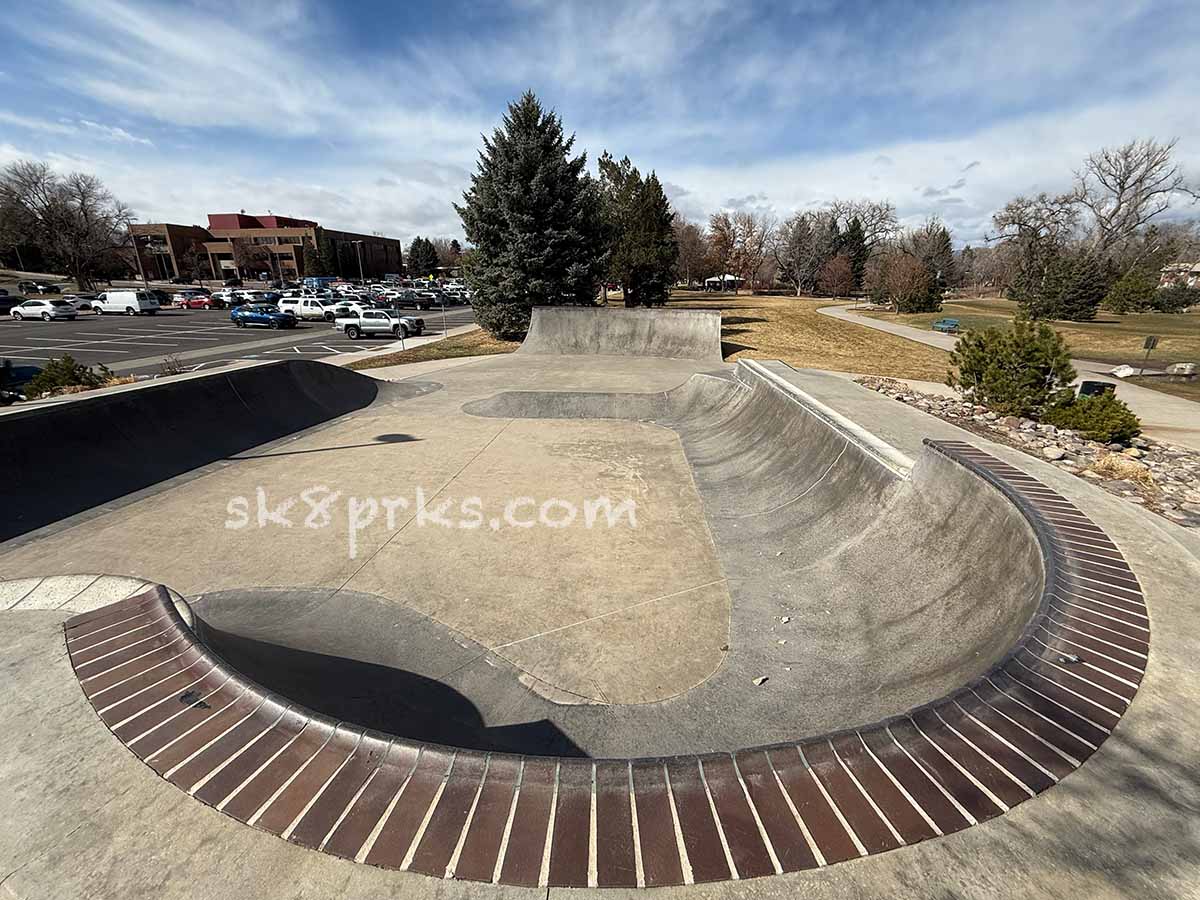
(190, 300)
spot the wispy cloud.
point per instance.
(73, 128)
(113, 133)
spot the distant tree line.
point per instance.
(1064, 256)
(1102, 243)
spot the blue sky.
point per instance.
(366, 115)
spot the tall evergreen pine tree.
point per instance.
(533, 214)
(854, 245)
(642, 248)
(1083, 291)
(422, 257)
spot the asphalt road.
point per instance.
(197, 338)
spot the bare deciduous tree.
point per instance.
(877, 217)
(73, 219)
(721, 241)
(801, 245)
(753, 231)
(1125, 187)
(251, 259)
(739, 243)
(836, 277)
(694, 252)
(448, 251)
(1037, 220)
(908, 283)
(932, 246)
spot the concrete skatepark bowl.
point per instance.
(813, 646)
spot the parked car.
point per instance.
(7, 303)
(305, 307)
(182, 279)
(375, 322)
(190, 299)
(37, 287)
(80, 301)
(224, 298)
(428, 299)
(252, 296)
(233, 282)
(261, 314)
(46, 310)
(131, 303)
(342, 308)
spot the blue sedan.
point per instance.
(259, 314)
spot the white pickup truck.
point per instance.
(307, 307)
(377, 322)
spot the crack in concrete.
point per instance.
(449, 481)
(605, 615)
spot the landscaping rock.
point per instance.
(1163, 478)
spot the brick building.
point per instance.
(241, 244)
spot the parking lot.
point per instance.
(198, 339)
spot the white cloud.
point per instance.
(981, 170)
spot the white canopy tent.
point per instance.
(717, 282)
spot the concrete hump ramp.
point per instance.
(72, 456)
(607, 331)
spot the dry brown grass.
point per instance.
(472, 343)
(112, 381)
(1114, 465)
(791, 329)
(752, 327)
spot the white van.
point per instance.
(131, 303)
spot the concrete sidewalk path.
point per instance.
(1172, 420)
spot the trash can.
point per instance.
(1096, 388)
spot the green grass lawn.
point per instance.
(1110, 338)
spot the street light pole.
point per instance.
(358, 249)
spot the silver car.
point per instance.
(44, 310)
